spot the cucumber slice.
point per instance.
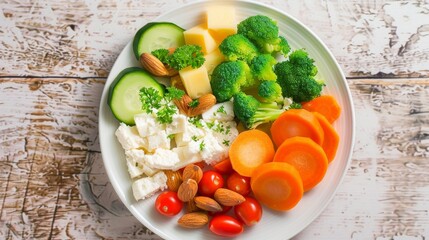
(156, 35)
(124, 98)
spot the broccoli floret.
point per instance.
(262, 67)
(238, 47)
(295, 105)
(270, 91)
(251, 112)
(283, 46)
(296, 77)
(264, 32)
(228, 78)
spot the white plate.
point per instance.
(274, 225)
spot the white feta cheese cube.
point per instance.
(147, 124)
(136, 163)
(191, 132)
(162, 159)
(129, 137)
(225, 132)
(178, 125)
(220, 111)
(186, 156)
(211, 150)
(147, 186)
(159, 140)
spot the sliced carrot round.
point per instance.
(249, 150)
(326, 105)
(331, 138)
(306, 156)
(296, 122)
(277, 185)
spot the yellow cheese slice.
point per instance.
(213, 59)
(196, 81)
(199, 35)
(221, 21)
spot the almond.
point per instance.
(187, 190)
(183, 104)
(193, 220)
(205, 103)
(153, 65)
(174, 179)
(191, 206)
(228, 197)
(208, 204)
(176, 81)
(192, 171)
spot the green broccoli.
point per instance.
(296, 77)
(282, 47)
(228, 78)
(251, 112)
(262, 67)
(183, 56)
(270, 91)
(238, 47)
(264, 32)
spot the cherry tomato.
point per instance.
(168, 204)
(209, 183)
(224, 166)
(226, 226)
(249, 211)
(238, 183)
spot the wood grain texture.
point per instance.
(53, 184)
(83, 38)
(54, 59)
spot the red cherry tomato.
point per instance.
(209, 183)
(168, 204)
(238, 183)
(226, 226)
(224, 166)
(249, 211)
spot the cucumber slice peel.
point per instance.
(156, 35)
(124, 98)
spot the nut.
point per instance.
(193, 220)
(187, 190)
(228, 197)
(191, 206)
(183, 104)
(205, 103)
(153, 65)
(208, 204)
(174, 180)
(176, 81)
(192, 172)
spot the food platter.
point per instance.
(273, 225)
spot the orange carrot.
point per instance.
(296, 122)
(326, 105)
(331, 138)
(278, 185)
(224, 166)
(249, 150)
(306, 156)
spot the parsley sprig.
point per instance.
(183, 56)
(165, 109)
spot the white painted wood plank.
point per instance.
(52, 183)
(83, 38)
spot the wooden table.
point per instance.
(55, 57)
